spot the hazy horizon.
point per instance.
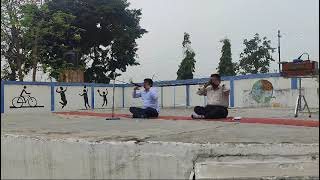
(207, 22)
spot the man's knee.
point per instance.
(151, 112)
(199, 110)
(216, 114)
(131, 109)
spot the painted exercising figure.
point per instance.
(217, 100)
(62, 96)
(149, 97)
(104, 95)
(85, 97)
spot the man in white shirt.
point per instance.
(149, 97)
(217, 100)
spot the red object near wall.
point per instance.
(303, 68)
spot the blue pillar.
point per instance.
(123, 96)
(232, 93)
(92, 96)
(188, 95)
(162, 96)
(174, 96)
(2, 97)
(52, 96)
(294, 83)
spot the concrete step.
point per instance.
(258, 167)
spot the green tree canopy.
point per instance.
(256, 56)
(187, 66)
(13, 54)
(109, 30)
(226, 67)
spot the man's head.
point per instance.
(61, 88)
(147, 83)
(24, 87)
(215, 80)
(103, 92)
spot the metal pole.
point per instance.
(279, 36)
(113, 89)
(300, 94)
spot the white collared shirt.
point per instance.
(149, 98)
(215, 96)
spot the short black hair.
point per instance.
(217, 76)
(149, 81)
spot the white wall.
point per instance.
(168, 96)
(74, 100)
(98, 100)
(195, 100)
(40, 93)
(180, 95)
(173, 96)
(311, 91)
(283, 95)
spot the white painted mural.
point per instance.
(77, 97)
(254, 92)
(27, 98)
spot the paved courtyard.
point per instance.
(191, 144)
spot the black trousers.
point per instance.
(212, 111)
(146, 113)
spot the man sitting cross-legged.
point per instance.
(149, 97)
(218, 100)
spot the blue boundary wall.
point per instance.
(52, 97)
(2, 96)
(187, 83)
(294, 83)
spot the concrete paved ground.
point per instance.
(190, 144)
(233, 112)
(95, 128)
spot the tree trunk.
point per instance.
(20, 74)
(35, 58)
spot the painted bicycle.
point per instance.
(19, 101)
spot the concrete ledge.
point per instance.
(39, 157)
(257, 167)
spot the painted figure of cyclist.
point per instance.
(24, 91)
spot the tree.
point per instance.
(256, 56)
(33, 22)
(226, 67)
(59, 35)
(108, 35)
(13, 53)
(187, 66)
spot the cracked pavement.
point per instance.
(97, 129)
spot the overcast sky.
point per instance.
(209, 21)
